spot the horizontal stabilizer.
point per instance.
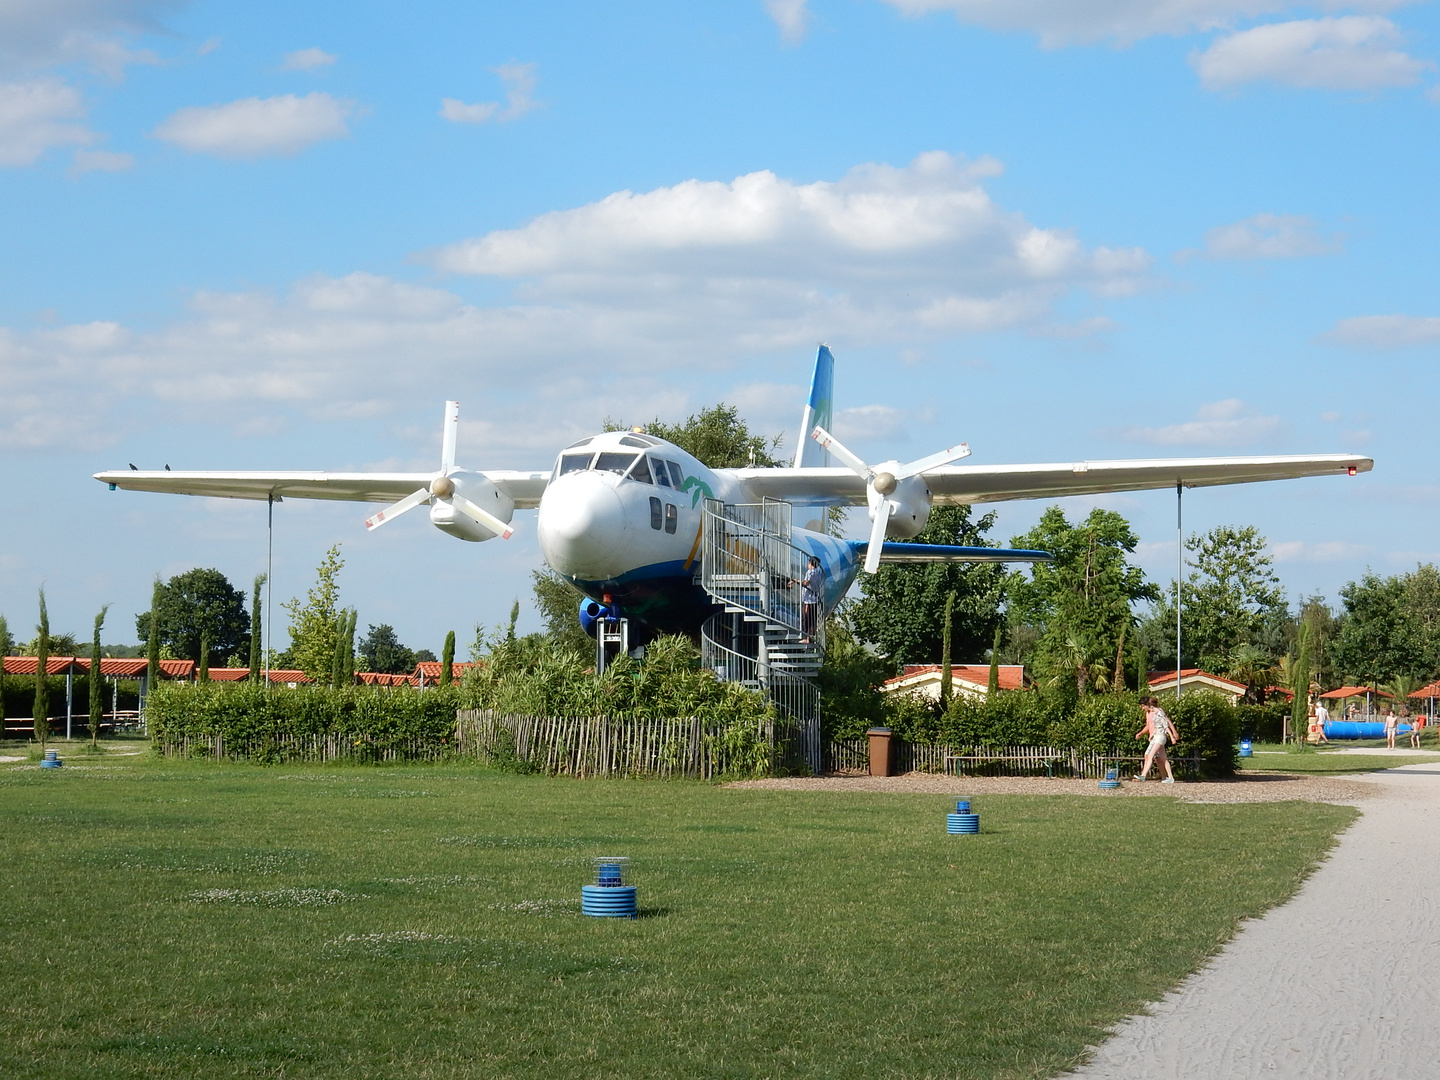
(940, 553)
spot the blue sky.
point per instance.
(280, 236)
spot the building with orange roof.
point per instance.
(1162, 682)
(970, 680)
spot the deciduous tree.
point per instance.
(559, 605)
(1232, 597)
(313, 626)
(382, 651)
(198, 603)
(717, 437)
(902, 608)
(1079, 606)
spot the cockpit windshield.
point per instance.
(613, 462)
(573, 463)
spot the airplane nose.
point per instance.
(580, 525)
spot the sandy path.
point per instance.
(1340, 982)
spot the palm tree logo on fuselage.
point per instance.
(700, 488)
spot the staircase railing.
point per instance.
(749, 562)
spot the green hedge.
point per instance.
(251, 720)
(1209, 726)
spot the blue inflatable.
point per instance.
(1355, 729)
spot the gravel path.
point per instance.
(1246, 787)
(1338, 983)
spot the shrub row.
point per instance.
(1209, 726)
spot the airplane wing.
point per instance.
(894, 552)
(525, 488)
(955, 485)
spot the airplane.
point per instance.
(620, 512)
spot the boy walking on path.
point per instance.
(1161, 730)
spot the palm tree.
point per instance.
(1251, 665)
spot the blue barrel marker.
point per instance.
(609, 897)
(1245, 750)
(51, 760)
(962, 822)
(1111, 781)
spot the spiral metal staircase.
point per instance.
(751, 568)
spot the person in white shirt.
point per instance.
(1322, 717)
(1161, 730)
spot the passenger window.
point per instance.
(573, 463)
(654, 512)
(677, 476)
(672, 518)
(641, 471)
(662, 477)
(611, 462)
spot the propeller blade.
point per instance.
(934, 461)
(394, 510)
(447, 436)
(836, 447)
(877, 536)
(484, 517)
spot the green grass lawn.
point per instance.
(167, 919)
(1321, 760)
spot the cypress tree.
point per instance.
(97, 682)
(447, 658)
(946, 675)
(152, 646)
(337, 659)
(202, 671)
(1142, 671)
(255, 627)
(1300, 706)
(349, 672)
(994, 687)
(42, 675)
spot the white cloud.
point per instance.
(519, 82)
(37, 34)
(258, 127)
(1353, 52)
(698, 277)
(1077, 22)
(791, 17)
(99, 161)
(1330, 417)
(37, 115)
(866, 422)
(308, 60)
(920, 251)
(1227, 423)
(1325, 551)
(1269, 236)
(1384, 331)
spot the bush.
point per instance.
(1263, 723)
(250, 719)
(1209, 728)
(1010, 718)
(1103, 723)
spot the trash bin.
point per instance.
(879, 751)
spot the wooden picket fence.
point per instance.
(850, 755)
(336, 746)
(599, 745)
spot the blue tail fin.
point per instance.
(819, 409)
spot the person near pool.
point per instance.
(1392, 725)
(1161, 730)
(812, 600)
(1417, 726)
(1322, 717)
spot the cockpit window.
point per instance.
(573, 463)
(676, 475)
(616, 463)
(641, 471)
(662, 475)
(636, 440)
(583, 442)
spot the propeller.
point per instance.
(443, 489)
(882, 482)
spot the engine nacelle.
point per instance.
(912, 505)
(592, 611)
(446, 517)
